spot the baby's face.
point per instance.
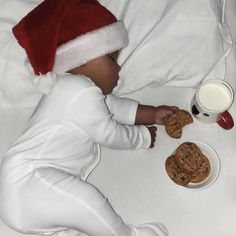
(103, 71)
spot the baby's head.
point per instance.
(61, 36)
(103, 71)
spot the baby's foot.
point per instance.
(151, 229)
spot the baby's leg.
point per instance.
(59, 201)
(52, 202)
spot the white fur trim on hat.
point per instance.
(90, 46)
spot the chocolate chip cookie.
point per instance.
(175, 123)
(173, 127)
(184, 117)
(188, 164)
(188, 157)
(175, 173)
(203, 171)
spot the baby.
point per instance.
(72, 47)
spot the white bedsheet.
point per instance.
(136, 183)
(138, 187)
(147, 192)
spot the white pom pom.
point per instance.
(43, 83)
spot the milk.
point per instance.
(211, 102)
(215, 97)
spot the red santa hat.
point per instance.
(59, 35)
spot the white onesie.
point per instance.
(42, 177)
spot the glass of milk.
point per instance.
(211, 102)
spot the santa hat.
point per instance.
(59, 35)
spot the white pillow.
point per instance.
(177, 43)
(16, 89)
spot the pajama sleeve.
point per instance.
(123, 109)
(93, 116)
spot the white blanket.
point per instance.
(176, 43)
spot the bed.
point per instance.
(174, 45)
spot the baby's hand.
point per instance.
(162, 112)
(152, 130)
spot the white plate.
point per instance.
(214, 160)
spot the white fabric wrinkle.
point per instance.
(45, 144)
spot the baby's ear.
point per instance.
(114, 55)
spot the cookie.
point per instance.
(171, 166)
(188, 157)
(184, 117)
(188, 165)
(175, 123)
(203, 171)
(173, 127)
(182, 178)
(175, 173)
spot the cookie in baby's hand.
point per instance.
(184, 117)
(175, 123)
(173, 127)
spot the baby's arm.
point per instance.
(138, 114)
(128, 111)
(123, 109)
(94, 117)
(148, 115)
